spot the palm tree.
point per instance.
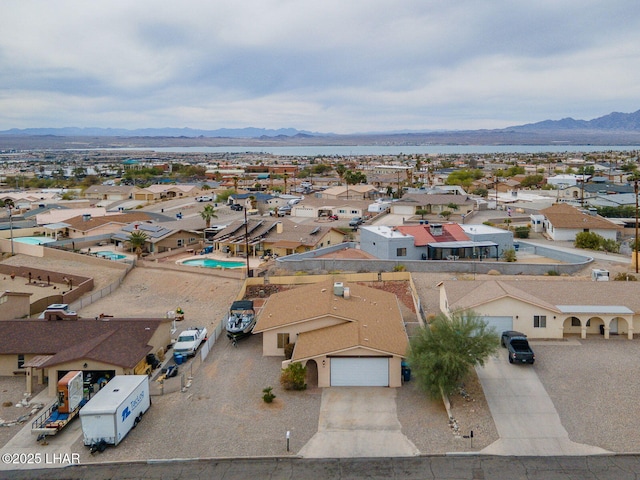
(207, 214)
(137, 241)
(285, 177)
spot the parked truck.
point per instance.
(517, 345)
(189, 341)
(114, 411)
(69, 402)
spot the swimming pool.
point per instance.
(111, 255)
(34, 240)
(209, 263)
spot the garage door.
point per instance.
(499, 323)
(360, 372)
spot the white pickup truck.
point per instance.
(189, 341)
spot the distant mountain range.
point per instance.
(614, 121)
(612, 129)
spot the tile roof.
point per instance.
(370, 318)
(563, 215)
(122, 342)
(451, 232)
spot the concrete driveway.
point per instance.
(524, 415)
(358, 422)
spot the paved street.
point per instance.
(604, 467)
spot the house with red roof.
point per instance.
(426, 241)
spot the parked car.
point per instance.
(355, 222)
(517, 345)
(237, 207)
(204, 198)
(284, 210)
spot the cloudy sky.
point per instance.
(341, 66)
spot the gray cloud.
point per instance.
(324, 66)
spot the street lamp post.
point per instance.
(246, 240)
(635, 241)
(10, 210)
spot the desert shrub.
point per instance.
(268, 395)
(293, 377)
(288, 350)
(552, 273)
(625, 277)
(399, 268)
(521, 232)
(509, 255)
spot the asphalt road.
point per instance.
(475, 467)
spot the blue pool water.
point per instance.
(33, 240)
(209, 263)
(111, 255)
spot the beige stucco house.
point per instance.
(356, 338)
(46, 350)
(549, 309)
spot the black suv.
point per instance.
(237, 207)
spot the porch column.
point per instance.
(29, 380)
(583, 331)
(630, 332)
(606, 331)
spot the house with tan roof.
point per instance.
(564, 222)
(84, 226)
(549, 309)
(159, 191)
(432, 203)
(350, 192)
(101, 347)
(280, 236)
(110, 193)
(346, 334)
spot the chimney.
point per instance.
(279, 227)
(435, 229)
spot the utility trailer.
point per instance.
(59, 414)
(109, 416)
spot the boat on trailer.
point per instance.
(241, 320)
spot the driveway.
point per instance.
(358, 422)
(524, 415)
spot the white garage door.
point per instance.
(360, 372)
(499, 323)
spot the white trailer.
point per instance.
(114, 411)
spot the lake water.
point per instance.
(358, 150)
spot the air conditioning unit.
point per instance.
(599, 275)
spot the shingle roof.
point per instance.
(370, 318)
(79, 223)
(548, 293)
(122, 342)
(562, 215)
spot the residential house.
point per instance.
(159, 238)
(84, 226)
(564, 222)
(109, 193)
(345, 334)
(549, 309)
(158, 192)
(278, 236)
(432, 204)
(101, 347)
(347, 192)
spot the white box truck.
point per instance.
(114, 411)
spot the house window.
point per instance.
(401, 252)
(20, 361)
(575, 322)
(540, 321)
(283, 340)
(180, 242)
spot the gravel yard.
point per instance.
(222, 413)
(594, 386)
